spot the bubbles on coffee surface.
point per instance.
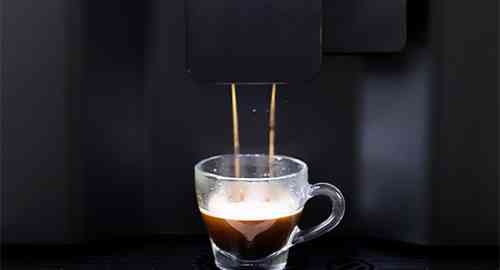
(255, 202)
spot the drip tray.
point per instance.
(367, 264)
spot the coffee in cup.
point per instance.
(251, 228)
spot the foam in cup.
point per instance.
(256, 204)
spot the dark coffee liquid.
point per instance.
(250, 239)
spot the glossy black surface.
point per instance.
(193, 253)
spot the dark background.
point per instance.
(101, 124)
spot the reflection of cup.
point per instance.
(252, 219)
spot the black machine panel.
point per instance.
(356, 26)
(281, 40)
(253, 41)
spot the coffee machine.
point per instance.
(395, 100)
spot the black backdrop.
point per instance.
(101, 125)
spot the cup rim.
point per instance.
(218, 177)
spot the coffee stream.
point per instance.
(237, 190)
(272, 127)
(236, 135)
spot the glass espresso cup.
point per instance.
(251, 205)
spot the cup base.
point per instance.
(280, 267)
(226, 261)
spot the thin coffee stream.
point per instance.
(271, 127)
(236, 190)
(254, 227)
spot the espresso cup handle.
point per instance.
(336, 214)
